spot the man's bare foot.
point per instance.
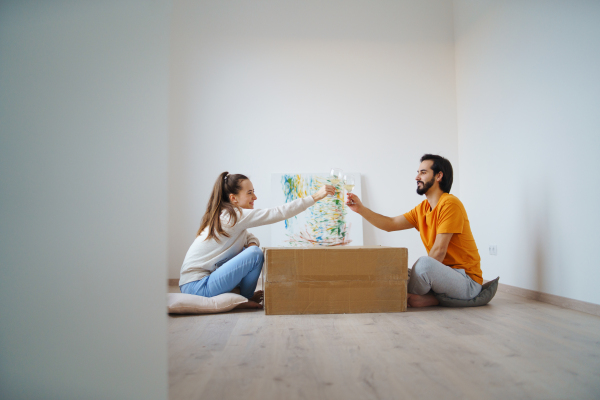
(258, 296)
(426, 300)
(249, 304)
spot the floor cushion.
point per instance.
(488, 291)
(181, 303)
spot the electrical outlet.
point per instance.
(493, 250)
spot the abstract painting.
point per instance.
(328, 222)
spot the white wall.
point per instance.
(83, 215)
(269, 86)
(529, 136)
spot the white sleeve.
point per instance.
(250, 238)
(258, 217)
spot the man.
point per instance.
(452, 266)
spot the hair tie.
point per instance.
(227, 176)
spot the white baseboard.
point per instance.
(565, 302)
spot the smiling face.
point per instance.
(425, 177)
(245, 198)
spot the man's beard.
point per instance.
(426, 185)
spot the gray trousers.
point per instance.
(430, 274)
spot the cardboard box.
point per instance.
(335, 280)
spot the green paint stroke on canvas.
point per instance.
(326, 221)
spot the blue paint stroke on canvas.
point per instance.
(294, 187)
(326, 224)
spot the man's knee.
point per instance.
(423, 265)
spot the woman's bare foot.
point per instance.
(249, 304)
(426, 300)
(258, 296)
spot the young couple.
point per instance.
(225, 255)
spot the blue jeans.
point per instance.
(242, 270)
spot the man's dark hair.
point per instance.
(443, 165)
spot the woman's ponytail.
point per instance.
(225, 185)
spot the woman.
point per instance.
(225, 255)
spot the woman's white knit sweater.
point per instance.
(205, 256)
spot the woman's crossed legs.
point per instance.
(242, 270)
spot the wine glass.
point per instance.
(349, 183)
(335, 176)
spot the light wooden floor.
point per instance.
(513, 348)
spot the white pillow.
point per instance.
(181, 303)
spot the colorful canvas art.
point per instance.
(328, 222)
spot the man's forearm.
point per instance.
(440, 247)
(379, 221)
(437, 254)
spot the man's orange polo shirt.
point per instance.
(449, 216)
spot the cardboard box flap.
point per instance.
(320, 264)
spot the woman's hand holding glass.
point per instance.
(323, 192)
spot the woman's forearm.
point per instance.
(259, 217)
